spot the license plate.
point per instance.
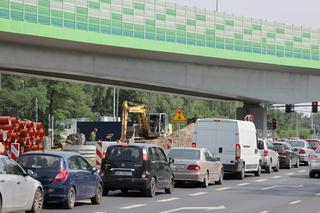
(178, 166)
(123, 173)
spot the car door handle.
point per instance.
(18, 182)
(2, 181)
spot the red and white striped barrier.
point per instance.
(99, 153)
(15, 151)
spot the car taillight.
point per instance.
(302, 151)
(313, 157)
(238, 151)
(194, 145)
(265, 153)
(193, 167)
(62, 176)
(144, 155)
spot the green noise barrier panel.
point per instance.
(168, 22)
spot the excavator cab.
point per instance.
(158, 124)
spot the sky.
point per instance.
(296, 12)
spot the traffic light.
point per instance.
(315, 106)
(289, 108)
(274, 123)
(269, 125)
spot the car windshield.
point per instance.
(313, 143)
(187, 154)
(40, 162)
(297, 143)
(278, 147)
(124, 153)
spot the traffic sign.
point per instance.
(249, 117)
(179, 116)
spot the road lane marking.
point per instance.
(244, 184)
(318, 194)
(261, 180)
(133, 206)
(276, 177)
(270, 187)
(169, 199)
(265, 211)
(223, 188)
(301, 171)
(199, 193)
(195, 208)
(294, 202)
(290, 174)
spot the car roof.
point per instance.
(187, 148)
(143, 145)
(63, 154)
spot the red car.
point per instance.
(314, 143)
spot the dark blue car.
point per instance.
(65, 176)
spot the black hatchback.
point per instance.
(142, 167)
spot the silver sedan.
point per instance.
(196, 165)
(314, 163)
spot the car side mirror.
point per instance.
(171, 161)
(94, 170)
(31, 173)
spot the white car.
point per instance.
(18, 190)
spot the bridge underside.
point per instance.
(199, 77)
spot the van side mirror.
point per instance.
(171, 161)
(220, 149)
(31, 173)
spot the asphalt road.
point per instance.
(284, 191)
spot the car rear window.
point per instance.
(278, 147)
(313, 143)
(260, 144)
(297, 143)
(40, 162)
(124, 153)
(184, 154)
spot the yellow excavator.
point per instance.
(150, 125)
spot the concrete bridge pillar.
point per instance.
(256, 114)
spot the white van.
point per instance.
(233, 141)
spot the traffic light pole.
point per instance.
(312, 127)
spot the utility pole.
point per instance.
(117, 107)
(114, 104)
(36, 110)
(297, 126)
(312, 126)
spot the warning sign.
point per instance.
(179, 116)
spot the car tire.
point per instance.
(205, 182)
(306, 163)
(312, 175)
(220, 181)
(276, 169)
(241, 174)
(124, 191)
(97, 198)
(258, 172)
(0, 204)
(269, 168)
(37, 203)
(297, 163)
(71, 199)
(105, 191)
(151, 191)
(171, 186)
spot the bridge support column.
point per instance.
(256, 114)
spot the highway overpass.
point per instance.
(159, 46)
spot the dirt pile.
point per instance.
(184, 139)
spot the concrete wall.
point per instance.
(250, 85)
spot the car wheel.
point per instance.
(171, 186)
(306, 163)
(258, 172)
(241, 174)
(205, 182)
(151, 191)
(276, 169)
(289, 164)
(71, 199)
(269, 168)
(124, 191)
(37, 202)
(0, 205)
(312, 175)
(220, 181)
(97, 198)
(297, 163)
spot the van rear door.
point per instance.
(205, 135)
(225, 142)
